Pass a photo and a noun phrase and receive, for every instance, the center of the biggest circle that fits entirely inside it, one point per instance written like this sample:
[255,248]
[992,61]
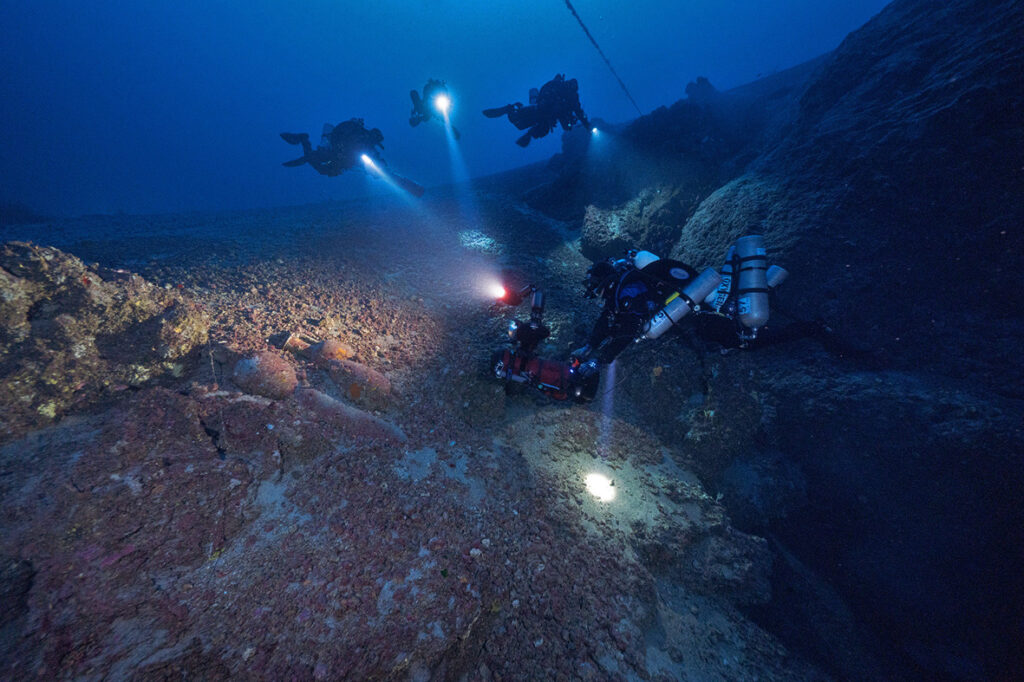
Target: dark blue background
[152,107]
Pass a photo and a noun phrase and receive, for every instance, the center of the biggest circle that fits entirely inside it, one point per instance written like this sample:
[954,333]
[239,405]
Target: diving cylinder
[775,276]
[752,292]
[678,307]
[717,298]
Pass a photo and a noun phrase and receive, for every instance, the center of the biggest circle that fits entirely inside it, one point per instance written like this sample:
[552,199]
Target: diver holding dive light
[435,99]
[519,363]
[343,146]
[644,297]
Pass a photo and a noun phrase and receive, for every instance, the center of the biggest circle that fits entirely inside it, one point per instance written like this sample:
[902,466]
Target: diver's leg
[524,140]
[524,117]
[499,111]
[295,138]
[415,118]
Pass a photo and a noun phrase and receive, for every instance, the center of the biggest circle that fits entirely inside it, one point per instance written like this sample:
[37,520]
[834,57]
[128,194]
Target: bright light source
[443,103]
[495,290]
[369,162]
[601,487]
[593,131]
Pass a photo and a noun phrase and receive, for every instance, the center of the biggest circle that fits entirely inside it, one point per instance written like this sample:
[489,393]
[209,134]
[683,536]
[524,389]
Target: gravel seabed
[202,531]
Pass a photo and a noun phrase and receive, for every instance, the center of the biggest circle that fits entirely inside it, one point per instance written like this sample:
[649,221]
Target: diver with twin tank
[341,147]
[556,103]
[644,297]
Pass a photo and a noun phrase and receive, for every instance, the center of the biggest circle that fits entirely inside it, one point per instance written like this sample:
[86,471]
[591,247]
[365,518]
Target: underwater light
[496,290]
[443,103]
[593,131]
[369,162]
[601,487]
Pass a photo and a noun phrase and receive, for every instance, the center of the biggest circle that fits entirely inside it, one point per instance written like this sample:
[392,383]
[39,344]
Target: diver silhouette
[557,102]
[435,100]
[341,147]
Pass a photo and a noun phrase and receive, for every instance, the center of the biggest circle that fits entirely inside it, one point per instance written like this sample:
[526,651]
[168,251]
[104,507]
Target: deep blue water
[156,107]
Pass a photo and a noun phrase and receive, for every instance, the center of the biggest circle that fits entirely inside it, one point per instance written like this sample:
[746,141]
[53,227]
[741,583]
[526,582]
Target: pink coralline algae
[267,374]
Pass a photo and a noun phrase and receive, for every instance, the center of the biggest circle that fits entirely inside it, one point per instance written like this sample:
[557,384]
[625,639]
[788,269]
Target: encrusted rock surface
[886,178]
[72,335]
[429,525]
[267,374]
[361,384]
[216,532]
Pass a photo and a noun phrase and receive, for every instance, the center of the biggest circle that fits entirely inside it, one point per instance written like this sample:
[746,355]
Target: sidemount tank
[679,306]
[752,290]
[776,275]
[717,298]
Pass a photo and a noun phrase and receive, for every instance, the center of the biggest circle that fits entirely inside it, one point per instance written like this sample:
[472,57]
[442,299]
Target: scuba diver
[645,296]
[435,99]
[519,363]
[557,102]
[341,147]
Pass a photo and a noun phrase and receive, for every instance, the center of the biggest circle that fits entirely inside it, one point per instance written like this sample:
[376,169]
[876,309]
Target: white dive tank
[752,281]
[717,298]
[679,306]
[776,275]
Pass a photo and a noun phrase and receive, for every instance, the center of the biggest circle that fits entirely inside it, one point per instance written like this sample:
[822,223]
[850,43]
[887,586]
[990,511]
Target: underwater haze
[729,388]
[160,107]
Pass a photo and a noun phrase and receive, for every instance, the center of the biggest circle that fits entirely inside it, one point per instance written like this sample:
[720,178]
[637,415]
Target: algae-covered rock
[71,334]
[361,384]
[331,349]
[266,374]
[357,423]
[653,220]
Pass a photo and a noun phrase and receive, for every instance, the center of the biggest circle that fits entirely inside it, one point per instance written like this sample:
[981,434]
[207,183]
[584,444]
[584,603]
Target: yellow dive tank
[752,283]
[679,306]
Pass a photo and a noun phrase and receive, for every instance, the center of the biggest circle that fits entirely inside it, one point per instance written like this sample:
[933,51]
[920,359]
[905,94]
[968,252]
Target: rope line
[601,52]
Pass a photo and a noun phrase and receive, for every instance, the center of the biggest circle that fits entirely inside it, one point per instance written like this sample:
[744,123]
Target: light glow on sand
[601,487]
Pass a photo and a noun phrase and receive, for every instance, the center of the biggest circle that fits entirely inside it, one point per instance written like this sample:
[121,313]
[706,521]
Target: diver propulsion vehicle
[519,364]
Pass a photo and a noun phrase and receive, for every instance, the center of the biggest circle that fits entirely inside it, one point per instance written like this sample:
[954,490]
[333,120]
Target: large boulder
[895,196]
[72,334]
[652,221]
[360,384]
[267,374]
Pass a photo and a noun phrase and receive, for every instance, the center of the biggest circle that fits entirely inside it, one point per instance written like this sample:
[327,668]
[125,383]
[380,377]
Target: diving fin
[295,138]
[499,112]
[295,162]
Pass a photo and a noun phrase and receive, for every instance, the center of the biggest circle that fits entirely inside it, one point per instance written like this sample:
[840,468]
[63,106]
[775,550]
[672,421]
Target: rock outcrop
[886,177]
[72,335]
